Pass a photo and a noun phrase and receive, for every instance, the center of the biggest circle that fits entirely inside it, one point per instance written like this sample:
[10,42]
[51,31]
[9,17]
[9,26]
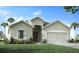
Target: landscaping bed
[36,48]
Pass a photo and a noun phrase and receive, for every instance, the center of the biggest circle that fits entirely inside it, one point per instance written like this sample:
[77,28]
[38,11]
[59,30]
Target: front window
[21,34]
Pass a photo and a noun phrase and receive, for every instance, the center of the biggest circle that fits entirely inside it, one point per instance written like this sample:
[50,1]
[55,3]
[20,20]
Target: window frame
[21,34]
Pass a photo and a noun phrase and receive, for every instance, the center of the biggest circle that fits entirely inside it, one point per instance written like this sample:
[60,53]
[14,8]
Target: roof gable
[37,18]
[56,22]
[19,22]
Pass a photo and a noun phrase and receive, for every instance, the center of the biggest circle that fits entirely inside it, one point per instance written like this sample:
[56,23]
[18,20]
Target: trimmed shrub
[12,40]
[71,41]
[27,42]
[44,41]
[30,41]
[1,40]
[6,41]
[17,41]
[76,41]
[22,42]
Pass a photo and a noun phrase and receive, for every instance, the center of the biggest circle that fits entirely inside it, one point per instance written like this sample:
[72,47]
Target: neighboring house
[52,32]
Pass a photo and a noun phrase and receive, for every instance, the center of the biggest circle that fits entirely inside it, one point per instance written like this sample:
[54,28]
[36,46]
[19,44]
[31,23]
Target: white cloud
[17,18]
[20,18]
[39,12]
[68,24]
[10,17]
[7,17]
[4,12]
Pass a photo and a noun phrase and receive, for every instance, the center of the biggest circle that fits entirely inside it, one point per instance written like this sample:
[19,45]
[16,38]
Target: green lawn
[36,48]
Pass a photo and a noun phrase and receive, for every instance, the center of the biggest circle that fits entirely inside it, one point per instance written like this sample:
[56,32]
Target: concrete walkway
[73,45]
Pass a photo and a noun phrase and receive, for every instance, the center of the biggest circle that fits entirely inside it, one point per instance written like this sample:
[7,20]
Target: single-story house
[52,32]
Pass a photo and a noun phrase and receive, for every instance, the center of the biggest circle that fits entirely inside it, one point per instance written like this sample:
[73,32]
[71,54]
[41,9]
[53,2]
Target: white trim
[19,34]
[57,31]
[72,33]
[68,36]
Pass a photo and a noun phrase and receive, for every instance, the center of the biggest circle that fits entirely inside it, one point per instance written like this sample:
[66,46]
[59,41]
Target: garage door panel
[56,37]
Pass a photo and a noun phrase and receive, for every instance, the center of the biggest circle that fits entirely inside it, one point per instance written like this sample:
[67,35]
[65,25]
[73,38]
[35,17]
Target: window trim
[21,34]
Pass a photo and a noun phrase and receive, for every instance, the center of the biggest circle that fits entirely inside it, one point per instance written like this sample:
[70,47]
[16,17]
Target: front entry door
[35,36]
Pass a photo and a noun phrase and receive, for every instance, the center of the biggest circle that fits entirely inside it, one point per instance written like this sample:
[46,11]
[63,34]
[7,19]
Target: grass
[36,48]
[1,43]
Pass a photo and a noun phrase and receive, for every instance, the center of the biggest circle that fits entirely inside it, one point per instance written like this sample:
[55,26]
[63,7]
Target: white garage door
[55,37]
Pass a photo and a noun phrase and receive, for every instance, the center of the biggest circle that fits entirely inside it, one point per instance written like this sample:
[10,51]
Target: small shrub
[71,41]
[12,40]
[44,41]
[6,41]
[27,42]
[23,42]
[30,41]
[76,41]
[1,40]
[17,41]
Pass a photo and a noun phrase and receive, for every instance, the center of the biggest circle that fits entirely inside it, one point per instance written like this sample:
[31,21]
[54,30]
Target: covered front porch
[37,33]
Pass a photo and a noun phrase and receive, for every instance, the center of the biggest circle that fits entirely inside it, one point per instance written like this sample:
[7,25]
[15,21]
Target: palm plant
[4,24]
[1,33]
[74,25]
[10,20]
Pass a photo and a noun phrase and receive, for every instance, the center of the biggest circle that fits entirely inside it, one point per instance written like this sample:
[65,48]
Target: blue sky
[49,13]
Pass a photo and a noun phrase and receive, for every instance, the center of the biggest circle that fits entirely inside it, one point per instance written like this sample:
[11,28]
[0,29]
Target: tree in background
[71,9]
[10,20]
[4,24]
[75,25]
[1,34]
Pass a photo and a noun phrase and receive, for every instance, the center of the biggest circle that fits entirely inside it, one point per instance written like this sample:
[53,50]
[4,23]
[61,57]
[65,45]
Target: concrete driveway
[73,45]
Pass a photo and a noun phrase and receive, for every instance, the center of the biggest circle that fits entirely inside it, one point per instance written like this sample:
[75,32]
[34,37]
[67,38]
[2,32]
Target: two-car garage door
[56,37]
